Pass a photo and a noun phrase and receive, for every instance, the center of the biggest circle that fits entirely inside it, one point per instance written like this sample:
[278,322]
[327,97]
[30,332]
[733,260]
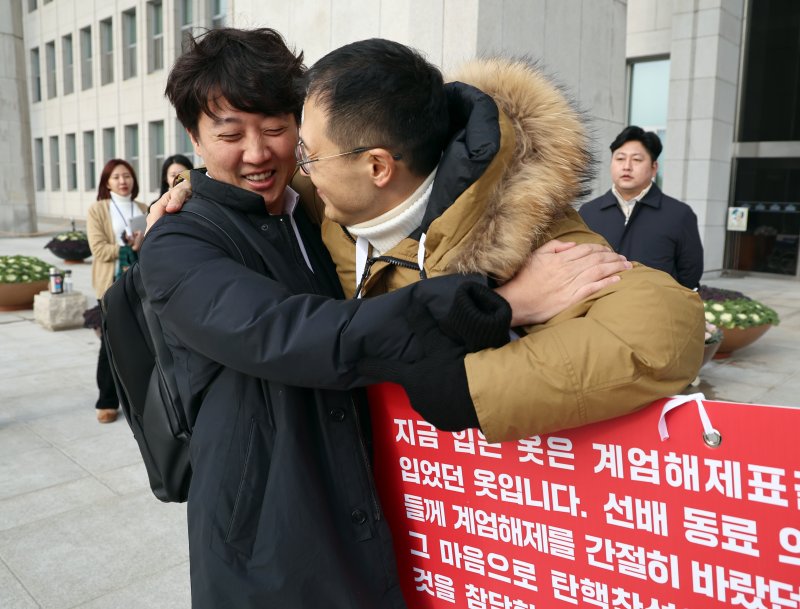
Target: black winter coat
[282,510]
[661,233]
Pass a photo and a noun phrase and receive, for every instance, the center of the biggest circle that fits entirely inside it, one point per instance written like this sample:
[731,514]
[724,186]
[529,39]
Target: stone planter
[738,338]
[18,296]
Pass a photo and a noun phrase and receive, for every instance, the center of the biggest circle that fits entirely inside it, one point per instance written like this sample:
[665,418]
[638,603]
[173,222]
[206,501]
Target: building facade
[719,80]
[94,72]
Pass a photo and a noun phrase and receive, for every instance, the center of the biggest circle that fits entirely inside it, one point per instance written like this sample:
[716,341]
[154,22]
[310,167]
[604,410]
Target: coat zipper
[367,466]
[391,260]
[243,477]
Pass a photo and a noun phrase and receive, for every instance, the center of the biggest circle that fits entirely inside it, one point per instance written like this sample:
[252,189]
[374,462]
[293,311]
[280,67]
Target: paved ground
[78,524]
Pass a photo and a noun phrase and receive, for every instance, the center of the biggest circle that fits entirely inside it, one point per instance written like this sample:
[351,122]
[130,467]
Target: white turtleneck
[389,229]
[122,209]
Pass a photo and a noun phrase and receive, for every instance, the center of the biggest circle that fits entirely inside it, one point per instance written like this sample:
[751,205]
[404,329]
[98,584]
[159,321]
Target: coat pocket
[242,492]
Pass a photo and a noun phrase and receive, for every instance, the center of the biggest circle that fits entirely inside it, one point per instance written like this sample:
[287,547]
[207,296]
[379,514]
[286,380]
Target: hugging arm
[239,318]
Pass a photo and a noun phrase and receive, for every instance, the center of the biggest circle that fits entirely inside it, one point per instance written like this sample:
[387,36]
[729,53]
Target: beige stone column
[17,205]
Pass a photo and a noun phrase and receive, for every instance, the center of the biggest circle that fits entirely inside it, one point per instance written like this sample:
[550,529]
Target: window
[129,44]
[647,107]
[72,162]
[217,11]
[68,64]
[55,164]
[156,153]
[38,162]
[109,143]
[183,144]
[86,58]
[768,187]
[132,146]
[50,61]
[88,160]
[36,76]
[106,52]
[155,43]
[771,75]
[185,20]
[31,5]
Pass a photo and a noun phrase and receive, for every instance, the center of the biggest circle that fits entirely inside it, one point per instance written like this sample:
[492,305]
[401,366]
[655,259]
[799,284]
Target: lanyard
[127,222]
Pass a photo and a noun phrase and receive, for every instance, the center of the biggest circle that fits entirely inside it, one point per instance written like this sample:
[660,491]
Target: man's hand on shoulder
[169,203]
[558,275]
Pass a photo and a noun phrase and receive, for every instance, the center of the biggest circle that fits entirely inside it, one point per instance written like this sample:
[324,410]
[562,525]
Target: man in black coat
[282,510]
[638,220]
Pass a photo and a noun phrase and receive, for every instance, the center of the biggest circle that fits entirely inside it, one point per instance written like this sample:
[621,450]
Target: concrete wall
[17,211]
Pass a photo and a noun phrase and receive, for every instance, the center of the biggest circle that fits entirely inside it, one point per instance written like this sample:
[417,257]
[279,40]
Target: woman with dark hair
[114,242]
[173,165]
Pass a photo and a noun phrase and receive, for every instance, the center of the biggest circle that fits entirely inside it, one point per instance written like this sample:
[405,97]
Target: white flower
[755,318]
[741,316]
[710,316]
[726,317]
[717,307]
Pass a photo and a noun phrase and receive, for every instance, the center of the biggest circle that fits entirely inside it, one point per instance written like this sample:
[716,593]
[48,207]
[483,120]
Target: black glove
[478,317]
[437,384]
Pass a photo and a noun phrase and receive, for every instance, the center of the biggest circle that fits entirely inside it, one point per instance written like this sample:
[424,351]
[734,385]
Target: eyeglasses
[304,162]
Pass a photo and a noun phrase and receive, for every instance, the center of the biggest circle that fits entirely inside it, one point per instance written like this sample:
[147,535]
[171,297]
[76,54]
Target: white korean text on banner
[607,515]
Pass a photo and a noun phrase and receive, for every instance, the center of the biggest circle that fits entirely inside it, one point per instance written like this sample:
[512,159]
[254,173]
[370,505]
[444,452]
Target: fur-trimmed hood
[516,162]
[546,173]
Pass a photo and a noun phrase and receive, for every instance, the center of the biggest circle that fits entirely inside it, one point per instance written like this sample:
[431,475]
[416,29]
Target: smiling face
[120,182]
[252,151]
[632,169]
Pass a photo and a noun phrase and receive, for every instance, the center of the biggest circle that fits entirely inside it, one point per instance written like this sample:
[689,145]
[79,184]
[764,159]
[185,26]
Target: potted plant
[741,319]
[21,278]
[713,340]
[72,246]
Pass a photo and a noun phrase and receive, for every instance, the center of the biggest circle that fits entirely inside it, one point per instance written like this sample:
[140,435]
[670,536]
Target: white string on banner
[711,436]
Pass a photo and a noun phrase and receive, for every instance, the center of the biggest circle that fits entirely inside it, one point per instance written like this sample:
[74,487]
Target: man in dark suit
[638,220]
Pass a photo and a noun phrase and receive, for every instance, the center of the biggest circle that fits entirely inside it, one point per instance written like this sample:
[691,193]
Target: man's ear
[383,166]
[195,142]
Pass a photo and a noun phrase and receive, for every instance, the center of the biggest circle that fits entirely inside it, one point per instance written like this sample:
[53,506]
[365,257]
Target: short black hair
[648,139]
[253,70]
[382,93]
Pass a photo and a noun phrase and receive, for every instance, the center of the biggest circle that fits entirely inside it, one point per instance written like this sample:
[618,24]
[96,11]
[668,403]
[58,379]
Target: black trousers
[105,382]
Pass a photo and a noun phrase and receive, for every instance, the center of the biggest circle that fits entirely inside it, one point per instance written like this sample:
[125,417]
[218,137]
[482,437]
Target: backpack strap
[227,223]
[218,223]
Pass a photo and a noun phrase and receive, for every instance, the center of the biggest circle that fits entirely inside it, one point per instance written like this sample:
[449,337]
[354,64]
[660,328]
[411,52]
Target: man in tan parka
[514,164]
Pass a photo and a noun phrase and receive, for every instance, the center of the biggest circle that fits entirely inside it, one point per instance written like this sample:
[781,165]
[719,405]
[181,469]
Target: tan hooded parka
[629,344]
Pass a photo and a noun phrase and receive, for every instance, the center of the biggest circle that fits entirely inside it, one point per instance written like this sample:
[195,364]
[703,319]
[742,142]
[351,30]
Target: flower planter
[70,251]
[18,296]
[738,338]
[709,351]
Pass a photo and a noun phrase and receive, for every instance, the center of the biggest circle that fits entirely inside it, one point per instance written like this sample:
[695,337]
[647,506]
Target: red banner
[607,515]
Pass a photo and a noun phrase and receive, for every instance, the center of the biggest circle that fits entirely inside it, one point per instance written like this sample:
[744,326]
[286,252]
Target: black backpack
[142,367]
